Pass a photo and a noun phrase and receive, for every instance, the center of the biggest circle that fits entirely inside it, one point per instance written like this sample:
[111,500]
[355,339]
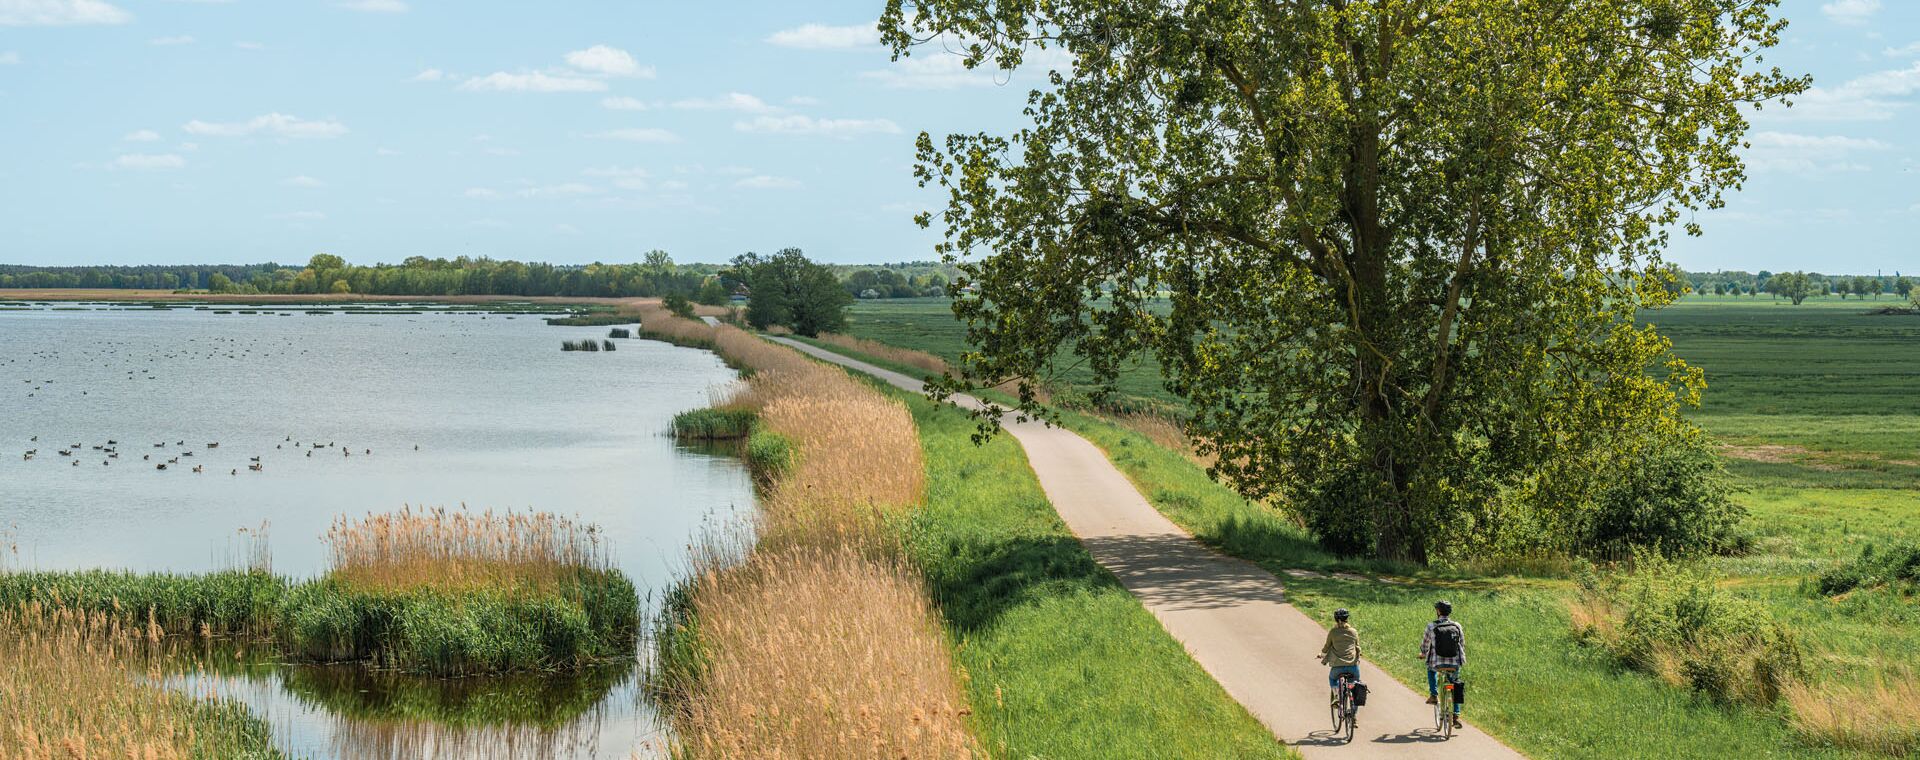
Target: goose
[160,466]
[213,445]
[256,467]
[111,442]
[253,459]
[235,472]
[65,453]
[76,463]
[197,468]
[309,455]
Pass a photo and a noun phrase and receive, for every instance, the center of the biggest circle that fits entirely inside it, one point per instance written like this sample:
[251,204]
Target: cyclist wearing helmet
[1443,646]
[1341,653]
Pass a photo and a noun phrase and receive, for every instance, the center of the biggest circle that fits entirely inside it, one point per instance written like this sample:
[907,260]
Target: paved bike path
[1231,615]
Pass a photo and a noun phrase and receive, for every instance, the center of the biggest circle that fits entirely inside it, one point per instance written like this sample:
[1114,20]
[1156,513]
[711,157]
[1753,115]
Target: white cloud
[142,135]
[562,190]
[611,61]
[803,100]
[275,124]
[376,6]
[481,193]
[429,75]
[302,180]
[249,46]
[149,161]
[1909,49]
[1872,97]
[767,182]
[645,135]
[622,103]
[732,101]
[1851,11]
[9,58]
[623,177]
[532,81]
[182,39]
[1808,154]
[807,125]
[60,13]
[299,216]
[824,37]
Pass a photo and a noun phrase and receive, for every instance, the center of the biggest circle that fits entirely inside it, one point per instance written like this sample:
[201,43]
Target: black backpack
[1446,639]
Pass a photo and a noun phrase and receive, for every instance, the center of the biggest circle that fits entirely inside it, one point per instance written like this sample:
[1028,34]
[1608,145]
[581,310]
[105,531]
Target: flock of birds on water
[170,454]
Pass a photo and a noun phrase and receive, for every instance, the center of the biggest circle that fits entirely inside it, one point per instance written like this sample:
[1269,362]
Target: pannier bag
[1359,694]
[1460,693]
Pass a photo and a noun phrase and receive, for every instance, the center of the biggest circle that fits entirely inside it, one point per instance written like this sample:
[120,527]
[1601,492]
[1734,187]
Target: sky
[204,131]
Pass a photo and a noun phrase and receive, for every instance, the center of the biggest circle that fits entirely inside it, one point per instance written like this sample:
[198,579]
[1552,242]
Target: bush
[679,305]
[1676,500]
[769,455]
[1671,619]
[1897,565]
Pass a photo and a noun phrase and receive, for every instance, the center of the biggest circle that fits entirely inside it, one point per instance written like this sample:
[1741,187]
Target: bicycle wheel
[1445,714]
[1337,717]
[1352,713]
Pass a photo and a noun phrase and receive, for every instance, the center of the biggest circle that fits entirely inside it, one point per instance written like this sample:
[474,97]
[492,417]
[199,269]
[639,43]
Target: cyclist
[1341,653]
[1443,646]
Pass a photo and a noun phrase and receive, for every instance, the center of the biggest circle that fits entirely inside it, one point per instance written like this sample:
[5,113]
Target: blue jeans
[1333,674]
[1433,686]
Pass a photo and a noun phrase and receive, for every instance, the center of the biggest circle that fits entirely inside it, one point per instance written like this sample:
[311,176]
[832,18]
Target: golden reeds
[76,684]
[886,352]
[822,642]
[459,549]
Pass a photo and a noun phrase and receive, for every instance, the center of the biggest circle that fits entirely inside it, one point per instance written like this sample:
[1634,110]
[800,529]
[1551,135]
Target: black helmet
[1443,607]
[1340,614]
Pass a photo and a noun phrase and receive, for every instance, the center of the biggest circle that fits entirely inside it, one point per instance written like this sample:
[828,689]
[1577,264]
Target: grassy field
[1061,661]
[1817,406]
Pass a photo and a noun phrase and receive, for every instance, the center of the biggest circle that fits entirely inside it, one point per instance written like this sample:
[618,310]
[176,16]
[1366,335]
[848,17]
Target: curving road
[1232,616]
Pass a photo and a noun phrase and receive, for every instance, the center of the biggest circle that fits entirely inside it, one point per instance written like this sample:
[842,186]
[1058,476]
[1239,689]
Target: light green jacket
[1343,646]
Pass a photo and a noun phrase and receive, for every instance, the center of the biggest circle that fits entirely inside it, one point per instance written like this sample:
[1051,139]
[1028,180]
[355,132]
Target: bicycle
[1443,704]
[1348,698]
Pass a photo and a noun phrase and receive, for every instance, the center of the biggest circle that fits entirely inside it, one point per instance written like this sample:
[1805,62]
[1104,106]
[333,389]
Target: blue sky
[175,131]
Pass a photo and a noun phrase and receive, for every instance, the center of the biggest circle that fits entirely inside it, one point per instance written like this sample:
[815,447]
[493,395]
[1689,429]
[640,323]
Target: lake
[350,412]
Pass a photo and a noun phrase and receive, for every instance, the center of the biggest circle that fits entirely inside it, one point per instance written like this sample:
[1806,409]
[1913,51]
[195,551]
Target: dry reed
[459,549]
[1881,717]
[821,642]
[821,653]
[77,684]
[895,354]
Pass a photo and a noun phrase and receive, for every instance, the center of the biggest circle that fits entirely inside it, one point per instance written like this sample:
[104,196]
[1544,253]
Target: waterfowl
[160,466]
[256,467]
[196,468]
[253,459]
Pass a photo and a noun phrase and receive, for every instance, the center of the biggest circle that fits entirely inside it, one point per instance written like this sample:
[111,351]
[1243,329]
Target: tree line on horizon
[655,275]
[1797,286]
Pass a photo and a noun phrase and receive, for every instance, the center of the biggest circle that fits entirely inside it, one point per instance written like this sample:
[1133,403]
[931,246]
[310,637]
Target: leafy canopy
[1403,241]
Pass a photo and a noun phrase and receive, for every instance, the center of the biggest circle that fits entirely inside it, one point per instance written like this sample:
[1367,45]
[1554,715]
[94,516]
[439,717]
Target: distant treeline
[655,275]
[1798,285]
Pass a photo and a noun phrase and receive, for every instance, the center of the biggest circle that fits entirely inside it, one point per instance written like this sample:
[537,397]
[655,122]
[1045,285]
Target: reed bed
[581,345]
[822,641]
[714,424]
[620,332]
[76,684]
[895,354]
[456,549]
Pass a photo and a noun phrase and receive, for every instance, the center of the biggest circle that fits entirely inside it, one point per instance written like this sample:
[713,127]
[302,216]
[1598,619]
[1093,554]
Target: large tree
[1404,241]
[790,290]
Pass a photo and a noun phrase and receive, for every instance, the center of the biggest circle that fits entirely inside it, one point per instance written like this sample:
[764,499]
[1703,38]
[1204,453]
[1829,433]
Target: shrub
[769,455]
[679,305]
[1672,620]
[1674,497]
[1896,565]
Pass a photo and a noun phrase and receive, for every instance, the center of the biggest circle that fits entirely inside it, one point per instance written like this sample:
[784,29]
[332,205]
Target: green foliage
[592,319]
[769,455]
[1375,305]
[655,276]
[788,289]
[891,283]
[1896,564]
[678,304]
[221,603]
[713,424]
[1673,620]
[713,292]
[587,617]
[1672,496]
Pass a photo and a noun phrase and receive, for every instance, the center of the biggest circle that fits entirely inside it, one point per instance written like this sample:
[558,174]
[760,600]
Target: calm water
[431,409]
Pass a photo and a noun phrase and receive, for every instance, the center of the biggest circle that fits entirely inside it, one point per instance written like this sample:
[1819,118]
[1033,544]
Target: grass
[437,592]
[1062,661]
[714,424]
[77,685]
[816,638]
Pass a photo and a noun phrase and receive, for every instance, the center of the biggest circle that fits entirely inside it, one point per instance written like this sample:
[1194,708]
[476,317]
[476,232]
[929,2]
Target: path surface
[1231,615]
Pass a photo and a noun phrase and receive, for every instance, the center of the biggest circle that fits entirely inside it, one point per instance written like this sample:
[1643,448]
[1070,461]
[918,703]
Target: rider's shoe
[1456,721]
[1433,700]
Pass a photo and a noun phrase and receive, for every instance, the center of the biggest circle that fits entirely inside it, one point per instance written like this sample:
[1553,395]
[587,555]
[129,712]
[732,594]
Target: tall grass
[821,641]
[79,684]
[1882,717]
[893,354]
[449,550]
[723,424]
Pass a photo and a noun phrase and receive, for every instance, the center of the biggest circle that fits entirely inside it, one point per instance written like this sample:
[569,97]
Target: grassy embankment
[1825,498]
[818,639]
[435,592]
[1057,660]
